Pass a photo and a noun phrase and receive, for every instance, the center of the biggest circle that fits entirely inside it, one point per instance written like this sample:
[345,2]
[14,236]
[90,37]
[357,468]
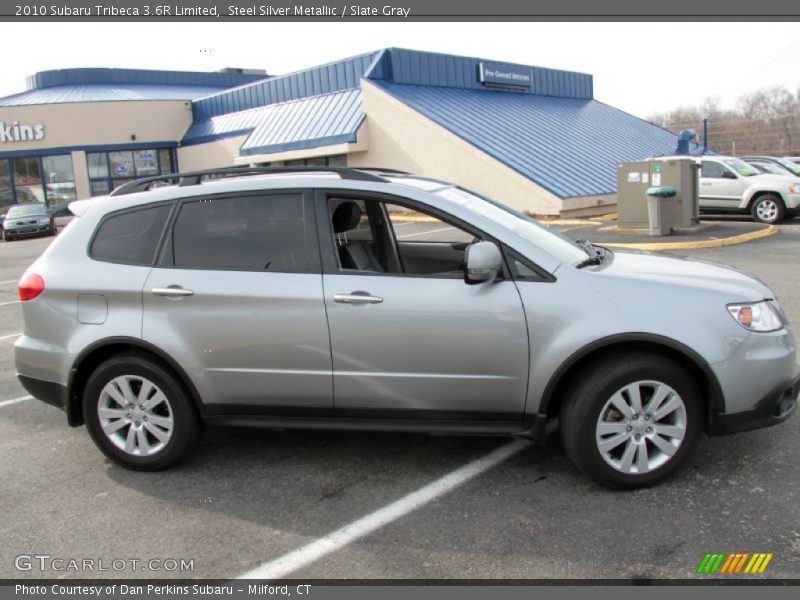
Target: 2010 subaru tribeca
[356,299]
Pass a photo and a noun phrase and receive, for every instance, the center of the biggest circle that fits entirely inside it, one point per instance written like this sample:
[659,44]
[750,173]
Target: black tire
[53,231]
[768,208]
[588,396]
[185,421]
[9,237]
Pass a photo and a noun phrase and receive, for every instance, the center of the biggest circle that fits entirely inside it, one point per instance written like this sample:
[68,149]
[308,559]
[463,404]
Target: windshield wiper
[595,254]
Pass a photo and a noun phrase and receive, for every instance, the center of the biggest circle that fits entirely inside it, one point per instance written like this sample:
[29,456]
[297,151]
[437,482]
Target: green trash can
[661,209]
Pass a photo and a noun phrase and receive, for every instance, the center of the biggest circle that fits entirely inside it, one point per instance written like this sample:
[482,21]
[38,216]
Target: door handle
[172,292]
[357,298]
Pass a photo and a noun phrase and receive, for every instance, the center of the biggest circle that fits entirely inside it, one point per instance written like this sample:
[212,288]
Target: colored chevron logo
[736,563]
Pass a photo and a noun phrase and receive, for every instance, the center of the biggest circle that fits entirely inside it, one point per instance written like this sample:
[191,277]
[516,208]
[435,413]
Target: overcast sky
[642,68]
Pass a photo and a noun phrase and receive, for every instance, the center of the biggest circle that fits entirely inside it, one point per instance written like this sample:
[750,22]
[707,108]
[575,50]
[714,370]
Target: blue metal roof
[306,123]
[333,77]
[412,67]
[87,76]
[106,93]
[569,146]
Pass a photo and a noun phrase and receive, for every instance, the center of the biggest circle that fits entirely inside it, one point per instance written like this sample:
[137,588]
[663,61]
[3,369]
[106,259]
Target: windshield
[790,166]
[26,210]
[555,244]
[770,168]
[741,167]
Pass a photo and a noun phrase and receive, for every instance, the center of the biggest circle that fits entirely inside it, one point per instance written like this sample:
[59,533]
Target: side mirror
[483,262]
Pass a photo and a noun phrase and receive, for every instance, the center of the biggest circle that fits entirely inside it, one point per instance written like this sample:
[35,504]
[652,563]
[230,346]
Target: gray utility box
[635,178]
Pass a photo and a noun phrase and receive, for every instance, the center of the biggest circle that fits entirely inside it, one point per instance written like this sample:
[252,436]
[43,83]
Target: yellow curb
[719,243]
[608,217]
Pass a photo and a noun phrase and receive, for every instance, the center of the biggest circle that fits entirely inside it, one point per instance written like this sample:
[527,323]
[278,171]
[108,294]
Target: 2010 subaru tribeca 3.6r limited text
[375,300]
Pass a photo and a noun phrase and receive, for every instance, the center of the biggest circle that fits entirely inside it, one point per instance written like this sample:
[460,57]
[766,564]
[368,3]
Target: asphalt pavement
[248,497]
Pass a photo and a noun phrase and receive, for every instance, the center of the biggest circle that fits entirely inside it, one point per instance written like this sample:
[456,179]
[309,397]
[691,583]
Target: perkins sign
[496,74]
[18,132]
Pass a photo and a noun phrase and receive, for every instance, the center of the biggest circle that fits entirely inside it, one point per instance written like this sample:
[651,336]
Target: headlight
[758,316]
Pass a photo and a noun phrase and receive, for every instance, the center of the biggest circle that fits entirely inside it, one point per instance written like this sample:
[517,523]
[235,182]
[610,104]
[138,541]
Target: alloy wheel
[641,427]
[135,415]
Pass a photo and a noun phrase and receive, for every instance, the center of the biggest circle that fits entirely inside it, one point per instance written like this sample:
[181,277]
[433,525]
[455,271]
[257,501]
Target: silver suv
[372,300]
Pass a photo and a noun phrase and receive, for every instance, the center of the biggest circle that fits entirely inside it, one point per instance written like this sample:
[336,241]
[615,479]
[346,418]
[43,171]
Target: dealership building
[532,137]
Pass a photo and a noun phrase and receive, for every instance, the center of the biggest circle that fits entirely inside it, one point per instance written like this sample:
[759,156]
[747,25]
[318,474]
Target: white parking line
[9,303]
[15,400]
[10,281]
[288,563]
[9,337]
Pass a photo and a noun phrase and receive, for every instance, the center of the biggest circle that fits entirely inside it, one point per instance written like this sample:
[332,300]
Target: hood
[770,179]
[657,270]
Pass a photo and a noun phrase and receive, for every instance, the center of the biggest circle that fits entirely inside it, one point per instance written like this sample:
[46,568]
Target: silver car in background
[356,299]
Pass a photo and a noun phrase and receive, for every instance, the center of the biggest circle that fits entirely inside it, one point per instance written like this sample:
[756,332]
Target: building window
[109,170]
[49,180]
[6,191]
[59,180]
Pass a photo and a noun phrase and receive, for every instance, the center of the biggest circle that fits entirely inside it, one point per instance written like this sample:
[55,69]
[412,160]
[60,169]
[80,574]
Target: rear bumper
[774,408]
[50,393]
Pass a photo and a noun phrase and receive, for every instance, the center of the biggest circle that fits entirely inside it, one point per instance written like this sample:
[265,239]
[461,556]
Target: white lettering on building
[19,132]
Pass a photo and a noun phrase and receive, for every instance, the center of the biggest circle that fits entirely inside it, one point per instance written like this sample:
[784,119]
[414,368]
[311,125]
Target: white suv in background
[729,184]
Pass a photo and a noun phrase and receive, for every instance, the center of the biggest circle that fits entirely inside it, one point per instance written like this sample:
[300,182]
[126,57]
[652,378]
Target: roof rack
[196,177]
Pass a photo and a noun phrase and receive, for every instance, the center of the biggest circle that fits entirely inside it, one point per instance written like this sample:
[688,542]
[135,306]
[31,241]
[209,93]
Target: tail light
[30,286]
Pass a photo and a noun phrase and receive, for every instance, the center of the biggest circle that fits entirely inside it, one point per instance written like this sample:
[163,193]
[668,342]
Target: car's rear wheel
[768,208]
[138,413]
[630,420]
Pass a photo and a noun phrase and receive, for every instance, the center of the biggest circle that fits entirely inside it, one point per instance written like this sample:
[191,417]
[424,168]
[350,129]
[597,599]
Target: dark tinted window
[252,233]
[712,169]
[131,237]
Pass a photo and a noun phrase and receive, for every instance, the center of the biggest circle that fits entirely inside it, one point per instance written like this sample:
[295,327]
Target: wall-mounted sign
[502,75]
[19,132]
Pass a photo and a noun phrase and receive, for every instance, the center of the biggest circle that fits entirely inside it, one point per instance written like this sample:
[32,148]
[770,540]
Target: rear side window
[246,233]
[131,237]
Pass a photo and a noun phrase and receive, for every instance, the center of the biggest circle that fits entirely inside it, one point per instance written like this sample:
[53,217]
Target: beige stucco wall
[219,153]
[402,138]
[99,123]
[81,182]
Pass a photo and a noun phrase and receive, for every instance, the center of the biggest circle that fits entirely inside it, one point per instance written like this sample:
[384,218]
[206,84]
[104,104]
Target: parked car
[27,220]
[784,164]
[770,169]
[729,184]
[312,300]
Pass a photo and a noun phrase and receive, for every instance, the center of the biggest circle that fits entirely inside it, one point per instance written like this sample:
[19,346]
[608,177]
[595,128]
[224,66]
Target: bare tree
[764,122]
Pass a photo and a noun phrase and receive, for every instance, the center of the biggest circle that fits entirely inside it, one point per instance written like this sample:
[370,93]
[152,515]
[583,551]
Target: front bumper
[793,203]
[29,230]
[774,408]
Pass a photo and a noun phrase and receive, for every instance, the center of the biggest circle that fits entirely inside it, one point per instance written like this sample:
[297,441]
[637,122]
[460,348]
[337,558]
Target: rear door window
[131,237]
[247,233]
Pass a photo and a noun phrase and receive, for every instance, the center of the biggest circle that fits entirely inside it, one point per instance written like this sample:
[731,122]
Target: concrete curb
[743,238]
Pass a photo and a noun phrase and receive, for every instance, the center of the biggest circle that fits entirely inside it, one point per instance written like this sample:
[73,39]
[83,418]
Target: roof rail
[196,177]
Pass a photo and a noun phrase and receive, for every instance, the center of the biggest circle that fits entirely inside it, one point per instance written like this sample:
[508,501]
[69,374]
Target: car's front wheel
[138,413]
[630,420]
[768,208]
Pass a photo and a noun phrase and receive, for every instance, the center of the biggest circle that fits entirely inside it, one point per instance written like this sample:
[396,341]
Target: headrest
[346,217]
